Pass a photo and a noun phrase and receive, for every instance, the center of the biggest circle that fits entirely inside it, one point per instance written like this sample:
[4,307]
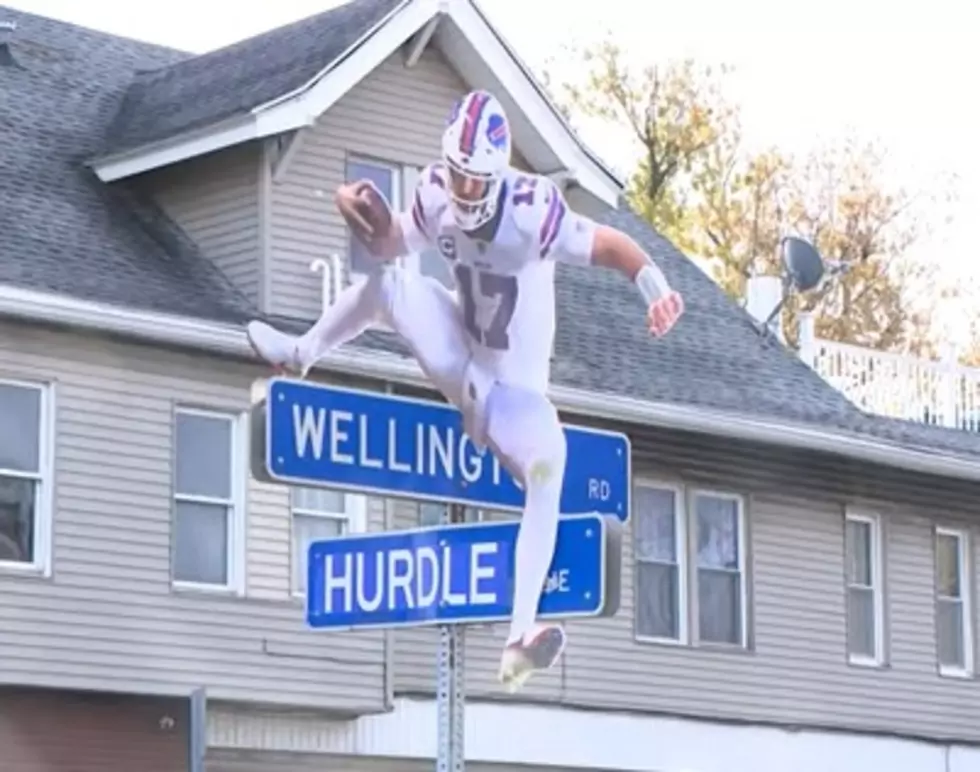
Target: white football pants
[521,426]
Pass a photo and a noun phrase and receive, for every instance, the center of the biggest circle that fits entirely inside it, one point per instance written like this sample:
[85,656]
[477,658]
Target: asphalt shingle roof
[62,230]
[713,358]
[198,91]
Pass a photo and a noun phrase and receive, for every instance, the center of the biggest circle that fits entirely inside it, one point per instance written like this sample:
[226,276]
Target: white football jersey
[505,285]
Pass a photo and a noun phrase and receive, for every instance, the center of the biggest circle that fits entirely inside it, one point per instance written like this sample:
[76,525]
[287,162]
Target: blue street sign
[317,435]
[462,573]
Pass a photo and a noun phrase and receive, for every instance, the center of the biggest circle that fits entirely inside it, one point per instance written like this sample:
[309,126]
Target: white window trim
[966,598]
[683,563]
[409,175]
[355,515]
[44,509]
[236,504]
[743,595]
[399,172]
[397,199]
[877,577]
[404,179]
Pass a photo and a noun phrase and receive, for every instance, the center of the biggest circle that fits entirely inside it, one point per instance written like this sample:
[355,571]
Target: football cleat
[277,348]
[522,659]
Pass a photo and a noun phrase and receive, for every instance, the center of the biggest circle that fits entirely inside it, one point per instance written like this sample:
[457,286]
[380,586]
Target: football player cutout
[489,351]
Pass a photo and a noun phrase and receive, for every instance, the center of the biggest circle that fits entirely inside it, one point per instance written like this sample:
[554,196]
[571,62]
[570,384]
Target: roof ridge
[206,88]
[195,58]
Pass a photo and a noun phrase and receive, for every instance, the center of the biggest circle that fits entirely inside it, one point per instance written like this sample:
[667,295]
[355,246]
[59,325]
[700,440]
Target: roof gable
[285,79]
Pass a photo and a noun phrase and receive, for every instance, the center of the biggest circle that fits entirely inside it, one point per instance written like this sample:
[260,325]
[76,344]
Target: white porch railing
[943,393]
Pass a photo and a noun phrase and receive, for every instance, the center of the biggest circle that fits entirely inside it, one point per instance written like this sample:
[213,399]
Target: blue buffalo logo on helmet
[497,131]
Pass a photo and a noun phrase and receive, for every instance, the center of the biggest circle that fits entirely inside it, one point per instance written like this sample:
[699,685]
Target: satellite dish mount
[803,271]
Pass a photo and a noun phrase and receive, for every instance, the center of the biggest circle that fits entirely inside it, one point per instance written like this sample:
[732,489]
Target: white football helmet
[476,149]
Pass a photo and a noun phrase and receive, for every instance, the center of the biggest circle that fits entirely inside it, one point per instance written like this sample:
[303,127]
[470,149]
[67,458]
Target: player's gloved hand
[664,313]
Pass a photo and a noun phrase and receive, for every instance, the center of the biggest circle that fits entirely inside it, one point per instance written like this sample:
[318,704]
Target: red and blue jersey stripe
[474,112]
[418,214]
[551,226]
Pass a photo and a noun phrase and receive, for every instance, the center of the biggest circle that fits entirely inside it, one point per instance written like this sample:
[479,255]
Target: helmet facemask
[473,197]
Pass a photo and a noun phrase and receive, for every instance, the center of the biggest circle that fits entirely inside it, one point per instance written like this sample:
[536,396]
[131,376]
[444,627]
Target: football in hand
[372,206]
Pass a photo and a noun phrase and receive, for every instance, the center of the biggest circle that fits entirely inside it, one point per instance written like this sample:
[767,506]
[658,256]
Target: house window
[388,179]
[718,523]
[865,614]
[209,500]
[713,610]
[660,564]
[25,476]
[953,618]
[319,514]
[397,182]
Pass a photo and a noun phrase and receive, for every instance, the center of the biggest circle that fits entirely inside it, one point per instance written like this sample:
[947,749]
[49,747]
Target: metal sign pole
[451,684]
[197,732]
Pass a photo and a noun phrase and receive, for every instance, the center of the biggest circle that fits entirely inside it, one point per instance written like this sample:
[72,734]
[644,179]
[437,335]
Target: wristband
[652,283]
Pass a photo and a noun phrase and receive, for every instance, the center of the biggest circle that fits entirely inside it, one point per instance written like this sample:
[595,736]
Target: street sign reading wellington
[312,434]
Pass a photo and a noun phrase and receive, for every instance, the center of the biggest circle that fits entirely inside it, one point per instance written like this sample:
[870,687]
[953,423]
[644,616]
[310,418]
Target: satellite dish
[804,266]
[804,269]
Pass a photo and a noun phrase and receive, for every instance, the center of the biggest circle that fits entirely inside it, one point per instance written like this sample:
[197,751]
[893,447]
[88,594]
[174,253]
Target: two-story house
[799,587]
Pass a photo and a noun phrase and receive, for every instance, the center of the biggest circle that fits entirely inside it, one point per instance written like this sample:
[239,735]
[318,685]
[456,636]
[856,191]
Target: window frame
[410,175]
[235,542]
[873,521]
[965,576]
[355,518]
[742,545]
[405,176]
[396,201]
[42,557]
[681,547]
[685,532]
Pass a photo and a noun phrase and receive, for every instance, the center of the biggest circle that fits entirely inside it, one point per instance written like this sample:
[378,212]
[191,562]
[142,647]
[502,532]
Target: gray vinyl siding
[109,619]
[796,669]
[215,200]
[395,114]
